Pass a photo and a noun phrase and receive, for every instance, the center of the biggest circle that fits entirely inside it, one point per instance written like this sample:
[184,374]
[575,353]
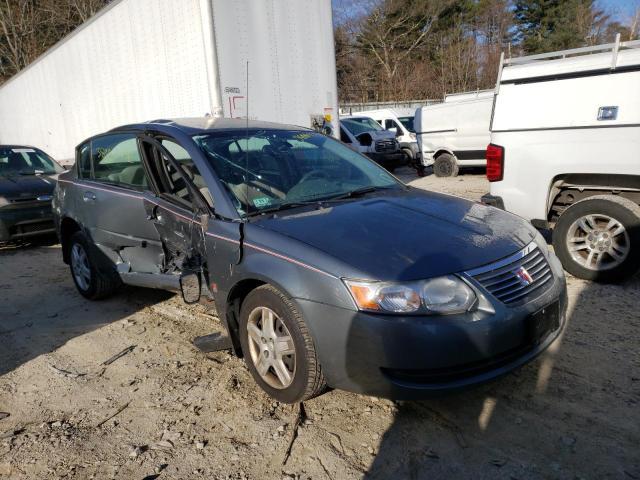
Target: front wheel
[278,348]
[599,238]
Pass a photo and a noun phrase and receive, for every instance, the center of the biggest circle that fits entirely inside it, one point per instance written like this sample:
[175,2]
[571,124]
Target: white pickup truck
[565,153]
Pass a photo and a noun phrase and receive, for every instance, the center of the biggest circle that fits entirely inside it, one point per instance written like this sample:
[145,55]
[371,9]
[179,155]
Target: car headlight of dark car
[437,296]
[3,201]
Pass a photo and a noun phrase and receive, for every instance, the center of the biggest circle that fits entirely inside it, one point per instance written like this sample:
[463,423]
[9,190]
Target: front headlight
[441,295]
[3,201]
[412,135]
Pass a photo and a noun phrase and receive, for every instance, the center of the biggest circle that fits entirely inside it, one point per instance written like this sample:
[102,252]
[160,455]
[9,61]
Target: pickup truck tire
[91,281]
[278,348]
[445,165]
[598,238]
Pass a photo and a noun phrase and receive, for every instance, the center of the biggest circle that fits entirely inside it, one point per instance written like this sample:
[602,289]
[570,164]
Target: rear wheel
[278,348]
[445,166]
[92,282]
[599,238]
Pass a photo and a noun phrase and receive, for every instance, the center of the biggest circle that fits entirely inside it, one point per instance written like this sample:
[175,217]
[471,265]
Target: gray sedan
[325,269]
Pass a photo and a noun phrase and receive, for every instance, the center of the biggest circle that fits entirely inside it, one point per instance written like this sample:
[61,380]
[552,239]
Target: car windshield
[274,169]
[26,161]
[408,123]
[358,125]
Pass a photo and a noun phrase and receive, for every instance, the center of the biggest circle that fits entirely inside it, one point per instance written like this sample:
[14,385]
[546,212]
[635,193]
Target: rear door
[111,186]
[177,208]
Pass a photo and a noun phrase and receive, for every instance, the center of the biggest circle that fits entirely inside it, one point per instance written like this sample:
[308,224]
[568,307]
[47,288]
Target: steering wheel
[313,174]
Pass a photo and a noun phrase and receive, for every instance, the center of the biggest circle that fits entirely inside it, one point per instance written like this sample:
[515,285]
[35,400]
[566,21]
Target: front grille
[24,229]
[388,145]
[501,281]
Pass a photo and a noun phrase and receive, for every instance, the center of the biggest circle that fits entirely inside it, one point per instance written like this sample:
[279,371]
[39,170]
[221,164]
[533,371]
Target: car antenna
[246,144]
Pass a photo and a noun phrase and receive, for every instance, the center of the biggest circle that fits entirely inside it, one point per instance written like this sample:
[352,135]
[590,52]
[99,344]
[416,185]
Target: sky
[621,8]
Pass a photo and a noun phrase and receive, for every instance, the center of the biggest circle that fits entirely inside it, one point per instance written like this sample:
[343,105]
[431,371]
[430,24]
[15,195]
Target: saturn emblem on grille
[524,277]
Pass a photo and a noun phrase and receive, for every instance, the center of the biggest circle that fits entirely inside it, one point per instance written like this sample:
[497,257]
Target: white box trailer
[565,153]
[139,60]
[455,133]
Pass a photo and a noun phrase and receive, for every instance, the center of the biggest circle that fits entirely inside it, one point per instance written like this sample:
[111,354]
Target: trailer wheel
[598,238]
[445,166]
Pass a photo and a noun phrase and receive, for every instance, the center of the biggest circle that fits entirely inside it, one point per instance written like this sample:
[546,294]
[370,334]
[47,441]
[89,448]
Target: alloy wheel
[271,348]
[80,266]
[598,242]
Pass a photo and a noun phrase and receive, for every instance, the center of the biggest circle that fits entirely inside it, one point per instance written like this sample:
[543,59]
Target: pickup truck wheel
[278,348]
[91,282]
[598,238]
[445,166]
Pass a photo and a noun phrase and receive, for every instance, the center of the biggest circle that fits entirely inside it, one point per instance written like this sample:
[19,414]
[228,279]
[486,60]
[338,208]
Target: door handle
[89,196]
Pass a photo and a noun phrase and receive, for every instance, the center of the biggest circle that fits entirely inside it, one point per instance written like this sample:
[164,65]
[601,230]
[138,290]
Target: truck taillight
[495,162]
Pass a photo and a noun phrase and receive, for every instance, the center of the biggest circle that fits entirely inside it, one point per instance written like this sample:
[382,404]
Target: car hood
[27,186]
[382,134]
[407,235]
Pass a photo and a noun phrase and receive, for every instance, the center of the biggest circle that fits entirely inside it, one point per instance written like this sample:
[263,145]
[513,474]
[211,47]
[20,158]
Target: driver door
[176,208]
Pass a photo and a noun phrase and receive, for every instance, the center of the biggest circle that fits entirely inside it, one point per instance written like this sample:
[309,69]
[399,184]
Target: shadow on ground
[570,414]
[46,311]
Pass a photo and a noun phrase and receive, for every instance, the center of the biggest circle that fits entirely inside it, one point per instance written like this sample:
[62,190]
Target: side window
[172,184]
[83,160]
[343,136]
[116,159]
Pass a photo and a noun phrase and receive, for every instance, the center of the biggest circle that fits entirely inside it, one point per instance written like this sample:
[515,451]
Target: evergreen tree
[548,25]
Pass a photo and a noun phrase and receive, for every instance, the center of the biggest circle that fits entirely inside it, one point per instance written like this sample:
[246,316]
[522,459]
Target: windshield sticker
[262,201]
[302,136]
[23,150]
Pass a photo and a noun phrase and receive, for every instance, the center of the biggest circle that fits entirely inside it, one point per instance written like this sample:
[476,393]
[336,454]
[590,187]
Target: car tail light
[495,162]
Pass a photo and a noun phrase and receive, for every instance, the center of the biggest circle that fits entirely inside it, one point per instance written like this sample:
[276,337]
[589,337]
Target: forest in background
[422,49]
[385,49]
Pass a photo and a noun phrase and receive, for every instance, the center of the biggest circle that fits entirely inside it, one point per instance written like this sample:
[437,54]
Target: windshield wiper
[359,192]
[284,206]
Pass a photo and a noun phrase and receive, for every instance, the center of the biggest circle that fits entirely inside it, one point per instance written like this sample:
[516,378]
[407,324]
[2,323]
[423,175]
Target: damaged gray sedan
[326,270]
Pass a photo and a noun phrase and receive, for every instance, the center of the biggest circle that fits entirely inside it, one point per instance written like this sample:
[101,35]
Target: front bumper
[414,357]
[492,201]
[389,160]
[26,222]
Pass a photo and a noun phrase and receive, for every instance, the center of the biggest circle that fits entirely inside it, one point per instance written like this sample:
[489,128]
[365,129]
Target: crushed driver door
[176,209]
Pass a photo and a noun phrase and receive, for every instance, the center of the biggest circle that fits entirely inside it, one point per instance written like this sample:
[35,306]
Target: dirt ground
[165,410]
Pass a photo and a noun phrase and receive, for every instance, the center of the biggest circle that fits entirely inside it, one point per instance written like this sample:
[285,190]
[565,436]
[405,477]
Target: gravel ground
[164,410]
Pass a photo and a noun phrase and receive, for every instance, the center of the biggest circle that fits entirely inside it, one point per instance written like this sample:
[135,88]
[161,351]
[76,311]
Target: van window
[408,123]
[116,160]
[343,136]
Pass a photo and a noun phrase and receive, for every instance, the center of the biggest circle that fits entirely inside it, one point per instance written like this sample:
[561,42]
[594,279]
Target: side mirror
[365,139]
[190,286]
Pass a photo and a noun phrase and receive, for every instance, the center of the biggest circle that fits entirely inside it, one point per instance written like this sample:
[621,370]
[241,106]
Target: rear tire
[278,348]
[91,281]
[598,238]
[445,166]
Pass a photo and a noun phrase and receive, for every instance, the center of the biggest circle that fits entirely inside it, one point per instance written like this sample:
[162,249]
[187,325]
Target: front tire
[278,348]
[92,282]
[598,238]
[445,166]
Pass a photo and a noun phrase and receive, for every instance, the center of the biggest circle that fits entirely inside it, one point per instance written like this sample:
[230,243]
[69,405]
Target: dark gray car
[27,179]
[326,270]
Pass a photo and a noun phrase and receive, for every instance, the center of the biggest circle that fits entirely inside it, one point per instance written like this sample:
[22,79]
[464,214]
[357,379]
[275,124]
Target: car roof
[196,125]
[19,146]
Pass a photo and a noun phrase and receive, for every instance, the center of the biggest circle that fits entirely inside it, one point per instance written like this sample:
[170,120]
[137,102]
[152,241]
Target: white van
[455,133]
[565,153]
[400,122]
[363,134]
